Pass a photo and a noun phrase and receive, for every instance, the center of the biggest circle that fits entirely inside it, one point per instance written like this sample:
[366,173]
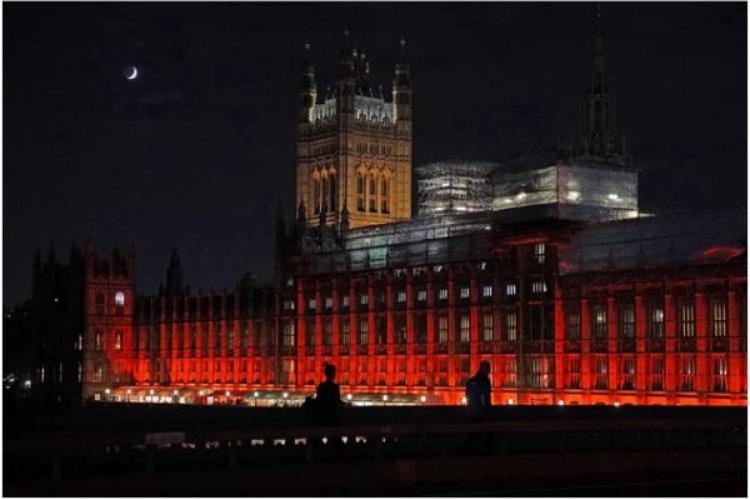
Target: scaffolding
[454,187]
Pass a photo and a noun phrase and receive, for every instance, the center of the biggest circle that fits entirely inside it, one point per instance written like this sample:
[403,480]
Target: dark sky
[199,149]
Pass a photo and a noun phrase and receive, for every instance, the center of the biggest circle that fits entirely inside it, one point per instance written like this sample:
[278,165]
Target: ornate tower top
[601,138]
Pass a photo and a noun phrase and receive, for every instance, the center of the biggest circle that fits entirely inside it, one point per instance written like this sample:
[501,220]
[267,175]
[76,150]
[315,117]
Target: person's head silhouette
[330,371]
[484,367]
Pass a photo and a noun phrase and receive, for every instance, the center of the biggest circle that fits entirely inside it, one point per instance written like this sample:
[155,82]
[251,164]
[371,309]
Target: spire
[600,137]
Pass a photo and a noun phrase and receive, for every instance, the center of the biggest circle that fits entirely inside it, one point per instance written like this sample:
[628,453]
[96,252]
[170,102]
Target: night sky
[197,152]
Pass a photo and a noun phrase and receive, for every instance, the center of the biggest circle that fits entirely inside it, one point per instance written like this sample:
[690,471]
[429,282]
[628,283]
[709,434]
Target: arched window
[99,303]
[385,197]
[316,194]
[361,192]
[325,191]
[119,302]
[373,193]
[332,192]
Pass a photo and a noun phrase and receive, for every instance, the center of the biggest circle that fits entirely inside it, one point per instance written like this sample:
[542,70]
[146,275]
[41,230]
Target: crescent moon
[133,74]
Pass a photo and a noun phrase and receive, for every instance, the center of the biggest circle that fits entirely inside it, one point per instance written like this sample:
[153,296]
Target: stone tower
[354,145]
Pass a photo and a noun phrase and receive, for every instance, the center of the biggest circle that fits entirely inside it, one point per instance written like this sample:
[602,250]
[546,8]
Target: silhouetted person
[326,407]
[478,390]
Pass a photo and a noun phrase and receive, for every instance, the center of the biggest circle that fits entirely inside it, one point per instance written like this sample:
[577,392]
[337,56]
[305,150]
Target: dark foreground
[230,451]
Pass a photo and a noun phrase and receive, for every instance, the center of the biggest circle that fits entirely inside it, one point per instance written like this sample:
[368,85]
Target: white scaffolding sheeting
[454,187]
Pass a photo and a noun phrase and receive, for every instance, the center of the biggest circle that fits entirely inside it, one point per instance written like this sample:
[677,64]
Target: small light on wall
[511,402]
[176,392]
[423,399]
[129,391]
[150,392]
[573,195]
[227,393]
[256,394]
[463,400]
[613,197]
[617,404]
[385,397]
[560,402]
[285,395]
[521,195]
[349,396]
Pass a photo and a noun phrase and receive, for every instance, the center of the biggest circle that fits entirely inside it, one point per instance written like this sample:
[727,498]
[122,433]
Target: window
[311,304]
[573,325]
[361,192]
[574,372]
[327,332]
[656,373]
[364,334]
[539,372]
[487,291]
[345,301]
[442,329]
[372,194]
[316,194]
[400,325]
[364,299]
[656,322]
[329,303]
[99,303]
[628,374]
[381,330]
[443,294]
[511,326]
[98,373]
[118,340]
[465,329]
[720,372]
[600,381]
[401,297]
[687,373]
[538,287]
[510,289]
[422,295]
[385,195]
[344,333]
[288,336]
[718,318]
[310,339]
[420,329]
[119,301]
[79,343]
[488,330]
[465,292]
[539,250]
[98,340]
[627,321]
[288,304]
[509,372]
[600,322]
[686,320]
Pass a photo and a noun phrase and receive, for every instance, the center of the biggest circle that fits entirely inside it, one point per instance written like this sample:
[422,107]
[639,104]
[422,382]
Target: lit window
[482,265]
[311,304]
[401,297]
[657,322]
[511,326]
[465,331]
[437,268]
[421,295]
[488,322]
[510,289]
[363,299]
[443,294]
[329,302]
[539,252]
[538,287]
[687,320]
[487,291]
[290,282]
[344,301]
[465,292]
[118,340]
[288,304]
[442,329]
[718,318]
[79,346]
[119,299]
[98,340]
[600,321]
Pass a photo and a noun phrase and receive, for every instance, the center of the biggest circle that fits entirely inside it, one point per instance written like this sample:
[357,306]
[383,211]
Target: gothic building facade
[554,276]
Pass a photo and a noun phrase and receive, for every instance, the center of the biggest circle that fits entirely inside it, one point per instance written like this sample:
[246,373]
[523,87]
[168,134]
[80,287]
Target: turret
[174,275]
[402,86]
[307,90]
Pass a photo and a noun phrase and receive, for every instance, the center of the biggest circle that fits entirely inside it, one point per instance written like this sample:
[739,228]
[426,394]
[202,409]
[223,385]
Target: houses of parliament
[543,265]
